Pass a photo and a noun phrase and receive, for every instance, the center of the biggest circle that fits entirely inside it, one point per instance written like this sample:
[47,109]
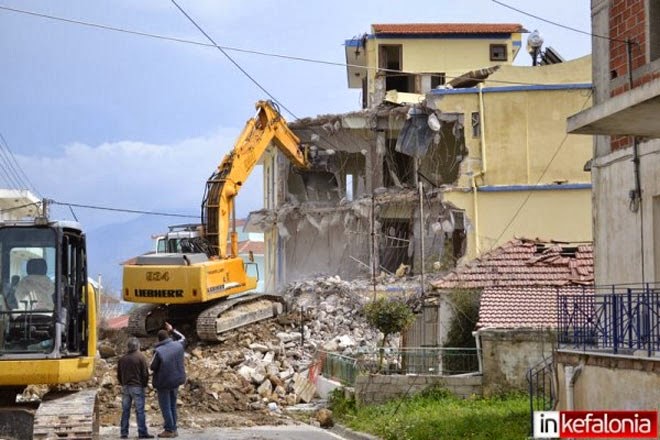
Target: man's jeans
[167,403]
[130,394]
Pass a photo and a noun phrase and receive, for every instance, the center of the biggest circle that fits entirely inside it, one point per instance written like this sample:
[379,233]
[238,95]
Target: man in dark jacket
[133,376]
[169,374]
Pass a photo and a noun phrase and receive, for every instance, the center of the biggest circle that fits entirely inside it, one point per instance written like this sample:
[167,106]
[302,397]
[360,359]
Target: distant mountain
[110,245]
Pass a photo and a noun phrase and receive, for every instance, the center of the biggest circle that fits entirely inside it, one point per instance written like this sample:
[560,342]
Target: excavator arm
[266,127]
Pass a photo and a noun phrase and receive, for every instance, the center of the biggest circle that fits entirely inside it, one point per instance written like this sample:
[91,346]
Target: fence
[439,361]
[624,320]
[542,392]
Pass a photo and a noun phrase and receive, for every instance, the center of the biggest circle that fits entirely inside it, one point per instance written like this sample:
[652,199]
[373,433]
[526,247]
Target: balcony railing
[619,319]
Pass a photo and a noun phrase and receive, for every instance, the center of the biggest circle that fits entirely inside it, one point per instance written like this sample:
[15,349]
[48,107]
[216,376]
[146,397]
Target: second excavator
[195,282]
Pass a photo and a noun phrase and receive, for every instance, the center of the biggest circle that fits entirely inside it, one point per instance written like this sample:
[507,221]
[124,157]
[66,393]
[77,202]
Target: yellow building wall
[563,215]
[524,135]
[454,57]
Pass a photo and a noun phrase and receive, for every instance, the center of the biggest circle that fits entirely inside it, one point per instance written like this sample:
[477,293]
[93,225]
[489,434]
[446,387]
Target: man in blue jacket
[168,374]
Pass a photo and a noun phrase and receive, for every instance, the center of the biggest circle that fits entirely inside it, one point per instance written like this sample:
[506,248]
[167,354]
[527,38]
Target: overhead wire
[130,211]
[563,26]
[241,50]
[545,170]
[19,172]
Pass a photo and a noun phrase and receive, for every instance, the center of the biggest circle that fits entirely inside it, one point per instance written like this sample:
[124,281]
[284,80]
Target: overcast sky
[105,118]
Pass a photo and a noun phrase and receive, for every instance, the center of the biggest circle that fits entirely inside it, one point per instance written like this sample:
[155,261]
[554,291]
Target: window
[498,52]
[437,79]
[476,124]
[654,29]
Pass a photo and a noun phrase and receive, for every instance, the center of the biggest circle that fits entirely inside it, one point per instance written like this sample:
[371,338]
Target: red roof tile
[523,307]
[524,262]
[448,28]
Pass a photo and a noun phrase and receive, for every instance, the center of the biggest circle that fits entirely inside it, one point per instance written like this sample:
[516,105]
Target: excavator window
[27,309]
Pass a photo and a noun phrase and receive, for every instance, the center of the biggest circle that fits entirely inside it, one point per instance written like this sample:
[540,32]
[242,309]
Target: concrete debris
[265,363]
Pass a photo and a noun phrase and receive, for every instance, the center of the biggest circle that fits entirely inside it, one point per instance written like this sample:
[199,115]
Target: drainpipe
[475,207]
[482,173]
[477,339]
[482,126]
[571,376]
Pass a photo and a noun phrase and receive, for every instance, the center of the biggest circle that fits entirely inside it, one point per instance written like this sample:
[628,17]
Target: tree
[390,317]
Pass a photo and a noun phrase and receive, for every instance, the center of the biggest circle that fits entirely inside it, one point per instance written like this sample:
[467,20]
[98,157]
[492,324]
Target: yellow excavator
[193,284]
[47,331]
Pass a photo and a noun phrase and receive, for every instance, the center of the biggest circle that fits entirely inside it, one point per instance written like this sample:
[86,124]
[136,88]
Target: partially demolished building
[406,188]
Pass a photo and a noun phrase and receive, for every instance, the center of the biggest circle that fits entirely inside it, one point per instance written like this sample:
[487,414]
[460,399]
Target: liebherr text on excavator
[194,282]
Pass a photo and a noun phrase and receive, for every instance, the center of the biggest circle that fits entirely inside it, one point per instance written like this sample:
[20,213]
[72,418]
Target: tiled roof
[525,263]
[523,307]
[448,28]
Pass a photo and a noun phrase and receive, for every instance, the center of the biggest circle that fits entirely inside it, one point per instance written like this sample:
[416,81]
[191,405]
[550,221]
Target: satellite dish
[534,42]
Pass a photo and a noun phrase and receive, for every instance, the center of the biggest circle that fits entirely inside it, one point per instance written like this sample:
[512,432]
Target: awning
[633,113]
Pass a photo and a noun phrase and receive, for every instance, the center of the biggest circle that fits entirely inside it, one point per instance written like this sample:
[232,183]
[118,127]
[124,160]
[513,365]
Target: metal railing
[439,361]
[623,320]
[542,392]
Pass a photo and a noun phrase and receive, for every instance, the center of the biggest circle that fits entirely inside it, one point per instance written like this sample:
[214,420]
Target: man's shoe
[146,436]
[167,434]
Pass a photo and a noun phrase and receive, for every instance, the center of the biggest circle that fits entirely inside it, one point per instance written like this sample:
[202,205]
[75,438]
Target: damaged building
[424,176]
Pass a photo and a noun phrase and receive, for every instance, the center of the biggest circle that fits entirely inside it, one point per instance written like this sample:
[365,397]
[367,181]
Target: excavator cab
[47,318]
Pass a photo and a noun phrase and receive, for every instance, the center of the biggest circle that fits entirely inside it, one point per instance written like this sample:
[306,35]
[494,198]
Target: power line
[545,170]
[238,66]
[236,49]
[563,26]
[130,211]
[22,176]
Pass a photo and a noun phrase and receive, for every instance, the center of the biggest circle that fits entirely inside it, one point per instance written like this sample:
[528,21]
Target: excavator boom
[196,282]
[266,127]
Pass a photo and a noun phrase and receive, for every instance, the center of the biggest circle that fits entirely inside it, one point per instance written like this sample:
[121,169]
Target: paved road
[294,432]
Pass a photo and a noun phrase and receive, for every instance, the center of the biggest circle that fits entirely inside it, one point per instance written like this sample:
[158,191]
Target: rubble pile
[258,368]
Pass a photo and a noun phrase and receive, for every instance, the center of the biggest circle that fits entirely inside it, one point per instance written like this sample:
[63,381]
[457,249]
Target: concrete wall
[508,354]
[609,381]
[376,388]
[616,228]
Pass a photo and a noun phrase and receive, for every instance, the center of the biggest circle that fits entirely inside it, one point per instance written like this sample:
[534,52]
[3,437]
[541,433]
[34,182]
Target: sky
[102,118]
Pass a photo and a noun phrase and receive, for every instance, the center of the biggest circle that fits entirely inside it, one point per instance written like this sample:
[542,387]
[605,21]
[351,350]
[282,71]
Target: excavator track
[236,312]
[71,416]
[141,320]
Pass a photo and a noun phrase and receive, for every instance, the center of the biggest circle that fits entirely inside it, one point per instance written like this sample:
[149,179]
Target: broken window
[476,124]
[498,52]
[390,58]
[437,79]
[398,168]
[459,235]
[441,165]
[395,244]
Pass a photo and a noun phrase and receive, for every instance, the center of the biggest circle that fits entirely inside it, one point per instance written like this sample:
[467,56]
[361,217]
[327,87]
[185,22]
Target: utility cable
[563,26]
[545,170]
[238,66]
[236,49]
[131,211]
[22,176]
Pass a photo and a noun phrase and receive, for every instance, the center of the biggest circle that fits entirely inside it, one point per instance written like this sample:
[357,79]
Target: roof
[523,307]
[447,28]
[525,263]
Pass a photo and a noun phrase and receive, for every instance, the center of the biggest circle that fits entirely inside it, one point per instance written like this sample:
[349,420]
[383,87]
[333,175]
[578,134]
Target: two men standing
[168,374]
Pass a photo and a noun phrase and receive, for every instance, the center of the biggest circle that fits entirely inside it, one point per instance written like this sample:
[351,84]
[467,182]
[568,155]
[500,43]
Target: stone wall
[378,388]
[608,381]
[508,354]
